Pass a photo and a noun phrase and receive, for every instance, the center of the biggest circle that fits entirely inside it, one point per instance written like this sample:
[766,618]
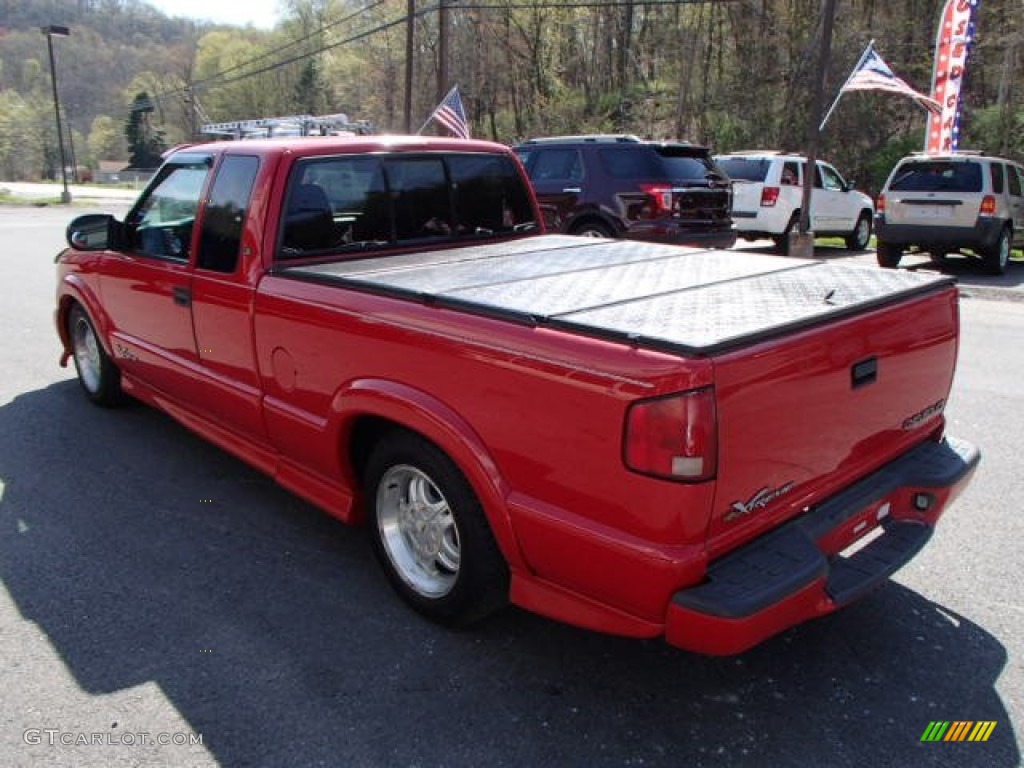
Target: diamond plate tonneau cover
[680,299]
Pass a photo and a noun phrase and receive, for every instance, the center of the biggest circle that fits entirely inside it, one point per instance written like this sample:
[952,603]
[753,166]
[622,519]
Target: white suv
[767,193]
[944,203]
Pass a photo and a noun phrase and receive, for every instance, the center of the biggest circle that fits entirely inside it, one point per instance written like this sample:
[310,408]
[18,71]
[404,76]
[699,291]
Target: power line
[216,79]
[292,44]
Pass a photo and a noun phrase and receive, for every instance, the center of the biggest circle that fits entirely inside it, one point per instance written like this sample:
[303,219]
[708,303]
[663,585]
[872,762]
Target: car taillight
[880,204]
[988,206]
[674,437]
[661,197]
[769,196]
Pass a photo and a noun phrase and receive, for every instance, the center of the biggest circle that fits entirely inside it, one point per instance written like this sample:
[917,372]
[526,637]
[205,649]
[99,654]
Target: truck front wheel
[430,534]
[99,377]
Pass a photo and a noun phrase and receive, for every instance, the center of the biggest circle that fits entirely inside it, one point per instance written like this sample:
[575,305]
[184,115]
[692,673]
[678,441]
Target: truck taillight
[769,196]
[880,204]
[661,197]
[988,206]
[674,437]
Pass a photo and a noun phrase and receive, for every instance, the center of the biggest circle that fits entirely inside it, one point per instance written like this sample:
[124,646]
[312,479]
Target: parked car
[949,203]
[768,194]
[622,186]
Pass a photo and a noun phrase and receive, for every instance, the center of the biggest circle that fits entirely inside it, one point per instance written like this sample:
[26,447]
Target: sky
[259,13]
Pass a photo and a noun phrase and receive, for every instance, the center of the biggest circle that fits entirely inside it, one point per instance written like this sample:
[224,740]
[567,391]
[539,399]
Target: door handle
[573,189]
[864,372]
[182,296]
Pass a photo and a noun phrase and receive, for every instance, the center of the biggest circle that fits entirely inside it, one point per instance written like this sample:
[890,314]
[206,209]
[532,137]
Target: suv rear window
[937,176]
[744,169]
[684,164]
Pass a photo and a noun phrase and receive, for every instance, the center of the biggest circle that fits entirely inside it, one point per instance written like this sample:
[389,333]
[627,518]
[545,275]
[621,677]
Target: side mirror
[93,232]
[849,185]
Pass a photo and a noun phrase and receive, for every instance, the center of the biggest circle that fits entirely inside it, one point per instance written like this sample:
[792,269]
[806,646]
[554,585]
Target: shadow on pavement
[134,546]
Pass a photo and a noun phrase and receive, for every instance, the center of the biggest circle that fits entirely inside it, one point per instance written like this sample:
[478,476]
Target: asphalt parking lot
[152,585]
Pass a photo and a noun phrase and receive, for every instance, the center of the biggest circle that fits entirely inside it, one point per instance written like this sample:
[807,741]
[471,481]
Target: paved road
[129,605]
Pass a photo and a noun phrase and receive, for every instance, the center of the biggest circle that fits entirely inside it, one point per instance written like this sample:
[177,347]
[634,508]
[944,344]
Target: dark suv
[622,186]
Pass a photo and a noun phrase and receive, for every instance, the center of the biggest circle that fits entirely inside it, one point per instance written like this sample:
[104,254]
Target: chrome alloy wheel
[87,353]
[418,531]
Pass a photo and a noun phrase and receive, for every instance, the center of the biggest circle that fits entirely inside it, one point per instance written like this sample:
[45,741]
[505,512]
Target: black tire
[782,241]
[592,228]
[99,377]
[888,255]
[998,256]
[430,533]
[859,238]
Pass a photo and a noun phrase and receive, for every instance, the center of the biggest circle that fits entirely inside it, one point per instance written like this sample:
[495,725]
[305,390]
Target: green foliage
[145,144]
[106,141]
[727,74]
[999,129]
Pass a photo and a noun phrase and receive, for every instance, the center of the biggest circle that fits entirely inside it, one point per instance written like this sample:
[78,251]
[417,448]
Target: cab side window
[1014,177]
[833,181]
[161,223]
[996,172]
[557,165]
[220,239]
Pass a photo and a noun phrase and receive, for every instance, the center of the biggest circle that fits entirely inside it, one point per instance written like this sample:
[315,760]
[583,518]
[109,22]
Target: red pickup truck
[642,439]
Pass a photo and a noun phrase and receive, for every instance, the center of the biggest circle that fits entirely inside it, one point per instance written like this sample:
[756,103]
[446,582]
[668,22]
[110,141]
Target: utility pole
[410,17]
[50,31]
[803,243]
[442,50]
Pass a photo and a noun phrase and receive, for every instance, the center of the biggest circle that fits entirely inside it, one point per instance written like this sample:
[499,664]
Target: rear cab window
[353,203]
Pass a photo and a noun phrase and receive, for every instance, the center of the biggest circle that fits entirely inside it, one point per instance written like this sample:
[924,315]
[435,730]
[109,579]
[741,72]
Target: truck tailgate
[805,416]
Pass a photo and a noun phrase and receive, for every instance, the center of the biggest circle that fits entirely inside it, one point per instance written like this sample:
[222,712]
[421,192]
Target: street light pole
[50,31]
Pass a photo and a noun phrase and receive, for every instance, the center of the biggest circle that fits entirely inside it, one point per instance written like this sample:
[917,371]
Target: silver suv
[949,203]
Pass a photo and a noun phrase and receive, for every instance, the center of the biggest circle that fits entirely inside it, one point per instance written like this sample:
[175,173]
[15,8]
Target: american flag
[873,74]
[451,115]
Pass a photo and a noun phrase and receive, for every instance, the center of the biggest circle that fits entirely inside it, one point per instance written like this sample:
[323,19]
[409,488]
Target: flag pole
[839,95]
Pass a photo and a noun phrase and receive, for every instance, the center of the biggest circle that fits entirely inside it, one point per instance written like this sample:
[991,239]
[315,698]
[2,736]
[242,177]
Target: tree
[145,145]
[105,141]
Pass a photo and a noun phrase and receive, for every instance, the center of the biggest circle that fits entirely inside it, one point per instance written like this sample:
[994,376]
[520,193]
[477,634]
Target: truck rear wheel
[430,533]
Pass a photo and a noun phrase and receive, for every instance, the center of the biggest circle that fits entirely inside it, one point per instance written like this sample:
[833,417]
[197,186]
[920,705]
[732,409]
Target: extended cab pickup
[642,439]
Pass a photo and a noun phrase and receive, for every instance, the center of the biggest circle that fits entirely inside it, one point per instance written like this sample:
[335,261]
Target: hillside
[732,74]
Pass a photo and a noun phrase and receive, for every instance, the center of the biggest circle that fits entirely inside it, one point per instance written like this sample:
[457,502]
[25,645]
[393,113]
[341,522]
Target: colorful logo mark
[958,730]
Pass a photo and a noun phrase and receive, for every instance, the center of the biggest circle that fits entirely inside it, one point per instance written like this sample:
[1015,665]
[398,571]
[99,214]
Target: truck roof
[684,300]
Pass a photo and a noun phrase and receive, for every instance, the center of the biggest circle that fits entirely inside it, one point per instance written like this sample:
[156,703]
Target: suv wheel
[860,237]
[888,255]
[782,241]
[998,256]
[592,229]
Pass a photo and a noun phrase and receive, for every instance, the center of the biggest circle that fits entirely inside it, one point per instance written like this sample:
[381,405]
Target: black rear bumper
[786,576]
